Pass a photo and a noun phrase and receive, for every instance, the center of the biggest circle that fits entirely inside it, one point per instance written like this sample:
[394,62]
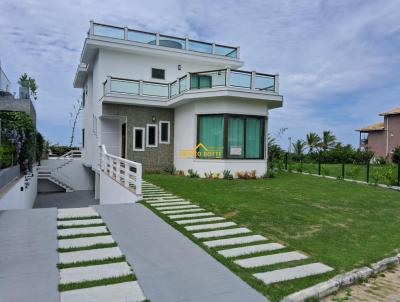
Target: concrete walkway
[61,200]
[28,249]
[169,267]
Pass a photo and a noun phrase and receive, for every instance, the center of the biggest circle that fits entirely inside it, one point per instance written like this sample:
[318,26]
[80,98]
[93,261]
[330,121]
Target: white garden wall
[112,192]
[20,194]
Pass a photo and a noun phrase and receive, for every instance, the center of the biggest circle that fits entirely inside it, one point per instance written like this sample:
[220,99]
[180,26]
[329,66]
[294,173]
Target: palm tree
[328,140]
[299,147]
[313,140]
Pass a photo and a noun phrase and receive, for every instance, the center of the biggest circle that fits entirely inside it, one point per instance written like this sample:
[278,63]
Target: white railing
[72,154]
[125,172]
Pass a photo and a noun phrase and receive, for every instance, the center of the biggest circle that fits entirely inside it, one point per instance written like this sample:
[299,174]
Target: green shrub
[193,174]
[227,174]
[396,155]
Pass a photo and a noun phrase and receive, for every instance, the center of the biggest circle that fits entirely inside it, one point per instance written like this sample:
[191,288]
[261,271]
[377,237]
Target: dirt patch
[231,214]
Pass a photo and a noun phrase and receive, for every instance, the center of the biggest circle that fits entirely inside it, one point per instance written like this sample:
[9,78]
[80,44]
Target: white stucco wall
[20,194]
[185,133]
[78,176]
[111,192]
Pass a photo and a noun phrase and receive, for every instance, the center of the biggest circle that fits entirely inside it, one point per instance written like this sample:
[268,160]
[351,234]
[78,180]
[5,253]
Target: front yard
[344,225]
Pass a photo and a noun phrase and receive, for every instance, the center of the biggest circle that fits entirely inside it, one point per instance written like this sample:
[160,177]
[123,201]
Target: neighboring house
[382,138]
[153,98]
[9,103]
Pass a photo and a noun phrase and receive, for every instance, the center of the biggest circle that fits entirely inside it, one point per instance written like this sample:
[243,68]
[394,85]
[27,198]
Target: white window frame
[143,138]
[155,133]
[160,129]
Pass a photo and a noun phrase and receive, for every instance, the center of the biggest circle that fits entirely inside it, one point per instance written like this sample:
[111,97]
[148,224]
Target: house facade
[382,138]
[166,101]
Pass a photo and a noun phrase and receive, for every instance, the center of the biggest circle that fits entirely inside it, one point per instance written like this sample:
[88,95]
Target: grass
[77,226]
[344,225]
[82,235]
[79,218]
[91,262]
[93,283]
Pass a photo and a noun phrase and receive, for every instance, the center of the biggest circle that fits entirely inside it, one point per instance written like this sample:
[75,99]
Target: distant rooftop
[374,127]
[4,81]
[394,111]
[124,33]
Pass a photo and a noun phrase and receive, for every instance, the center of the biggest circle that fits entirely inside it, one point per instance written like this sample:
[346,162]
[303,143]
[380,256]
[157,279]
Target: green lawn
[344,225]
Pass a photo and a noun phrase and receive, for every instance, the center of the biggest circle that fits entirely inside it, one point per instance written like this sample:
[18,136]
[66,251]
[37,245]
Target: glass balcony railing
[124,33]
[223,78]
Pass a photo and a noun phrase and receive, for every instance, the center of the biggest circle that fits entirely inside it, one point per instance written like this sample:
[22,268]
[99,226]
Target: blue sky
[339,60]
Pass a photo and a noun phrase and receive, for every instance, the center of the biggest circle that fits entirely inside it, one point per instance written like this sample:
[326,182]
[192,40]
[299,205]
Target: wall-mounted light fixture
[153,118]
[179,67]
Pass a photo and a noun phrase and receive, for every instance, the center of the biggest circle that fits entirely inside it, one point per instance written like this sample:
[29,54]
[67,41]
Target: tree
[40,144]
[299,147]
[313,140]
[328,140]
[30,83]
[74,115]
[396,155]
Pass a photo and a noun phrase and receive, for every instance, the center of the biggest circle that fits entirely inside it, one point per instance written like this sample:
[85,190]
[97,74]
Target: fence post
[286,161]
[368,172]
[319,163]
[398,173]
[343,170]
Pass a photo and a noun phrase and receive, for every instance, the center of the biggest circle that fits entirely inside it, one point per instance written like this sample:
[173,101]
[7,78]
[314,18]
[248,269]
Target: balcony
[223,82]
[124,33]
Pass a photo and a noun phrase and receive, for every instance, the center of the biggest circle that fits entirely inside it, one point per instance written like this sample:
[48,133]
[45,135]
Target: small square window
[158,73]
[138,139]
[151,135]
[164,134]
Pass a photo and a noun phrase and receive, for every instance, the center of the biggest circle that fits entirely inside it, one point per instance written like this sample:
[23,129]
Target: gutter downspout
[387,135]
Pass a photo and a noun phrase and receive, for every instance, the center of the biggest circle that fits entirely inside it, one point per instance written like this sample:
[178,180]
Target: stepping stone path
[93,256]
[232,241]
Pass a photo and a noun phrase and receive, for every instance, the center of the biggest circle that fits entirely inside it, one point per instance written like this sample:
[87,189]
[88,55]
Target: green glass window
[235,137]
[253,137]
[200,81]
[211,136]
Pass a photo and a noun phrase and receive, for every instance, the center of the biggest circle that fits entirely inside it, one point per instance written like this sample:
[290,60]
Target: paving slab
[67,223]
[28,261]
[121,292]
[76,212]
[236,240]
[95,272]
[270,259]
[293,273]
[172,203]
[82,231]
[182,211]
[191,215]
[85,241]
[157,200]
[176,207]
[180,270]
[199,220]
[251,249]
[88,255]
[221,233]
[209,226]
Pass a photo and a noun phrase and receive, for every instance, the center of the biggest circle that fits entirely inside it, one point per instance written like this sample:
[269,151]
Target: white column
[97,186]
[253,80]
[141,87]
[125,33]
[187,43]
[238,52]
[266,143]
[213,49]
[228,77]
[117,170]
[126,175]
[277,83]
[138,183]
[91,28]
[157,38]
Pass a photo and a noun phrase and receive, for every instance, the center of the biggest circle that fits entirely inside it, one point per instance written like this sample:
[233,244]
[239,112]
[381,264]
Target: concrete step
[85,241]
[89,255]
[270,259]
[221,233]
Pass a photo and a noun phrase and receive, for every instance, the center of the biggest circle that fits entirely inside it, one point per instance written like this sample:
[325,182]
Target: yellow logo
[202,151]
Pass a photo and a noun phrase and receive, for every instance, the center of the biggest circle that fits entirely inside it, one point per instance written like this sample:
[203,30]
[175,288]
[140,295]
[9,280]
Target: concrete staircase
[56,176]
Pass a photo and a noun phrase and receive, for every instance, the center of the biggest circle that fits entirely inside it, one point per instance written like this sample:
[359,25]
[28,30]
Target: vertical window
[211,135]
[138,139]
[158,73]
[235,137]
[83,137]
[164,128]
[151,135]
[254,133]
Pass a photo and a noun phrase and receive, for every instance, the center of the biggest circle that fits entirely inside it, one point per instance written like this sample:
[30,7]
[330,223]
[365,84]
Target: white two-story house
[153,99]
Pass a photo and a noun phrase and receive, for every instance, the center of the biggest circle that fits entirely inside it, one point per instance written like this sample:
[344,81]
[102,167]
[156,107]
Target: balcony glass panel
[226,51]
[208,79]
[265,83]
[183,84]
[153,89]
[172,42]
[174,88]
[108,31]
[141,37]
[200,46]
[240,79]
[121,86]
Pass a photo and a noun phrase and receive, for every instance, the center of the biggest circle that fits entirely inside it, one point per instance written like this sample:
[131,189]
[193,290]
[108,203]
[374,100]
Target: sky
[338,60]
